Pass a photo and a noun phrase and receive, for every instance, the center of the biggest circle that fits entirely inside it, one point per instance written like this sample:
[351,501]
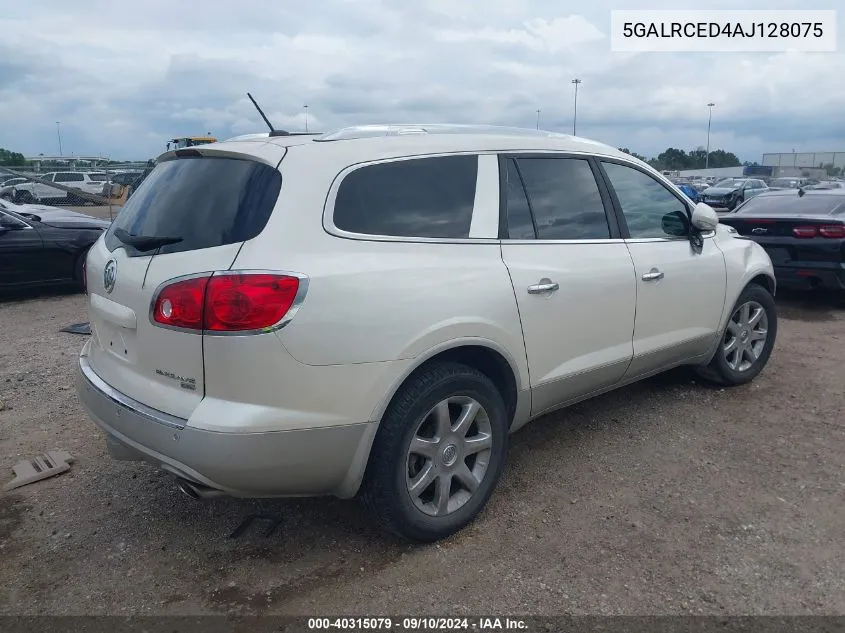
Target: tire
[728,366]
[413,415]
[738,201]
[79,270]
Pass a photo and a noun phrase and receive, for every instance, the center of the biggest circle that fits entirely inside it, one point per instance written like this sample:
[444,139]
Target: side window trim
[610,211]
[620,216]
[527,197]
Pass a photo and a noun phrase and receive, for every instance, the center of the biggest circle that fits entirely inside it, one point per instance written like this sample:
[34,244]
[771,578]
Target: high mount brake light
[226,302]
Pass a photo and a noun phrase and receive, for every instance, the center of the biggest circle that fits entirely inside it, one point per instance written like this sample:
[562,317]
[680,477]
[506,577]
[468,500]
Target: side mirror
[675,224]
[704,218]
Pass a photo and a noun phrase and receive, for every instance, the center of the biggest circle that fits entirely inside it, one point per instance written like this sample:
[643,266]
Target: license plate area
[117,341]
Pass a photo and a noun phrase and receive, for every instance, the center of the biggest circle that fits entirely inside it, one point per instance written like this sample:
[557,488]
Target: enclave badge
[110,275]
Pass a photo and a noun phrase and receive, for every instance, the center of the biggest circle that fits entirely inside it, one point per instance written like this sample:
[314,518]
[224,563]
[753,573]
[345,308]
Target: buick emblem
[110,275]
[759,230]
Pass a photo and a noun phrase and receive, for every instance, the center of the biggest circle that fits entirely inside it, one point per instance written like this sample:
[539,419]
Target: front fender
[745,260]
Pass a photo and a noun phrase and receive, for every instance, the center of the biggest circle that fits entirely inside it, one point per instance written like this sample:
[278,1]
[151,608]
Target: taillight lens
[246,301]
[180,304]
[833,231]
[804,231]
[226,302]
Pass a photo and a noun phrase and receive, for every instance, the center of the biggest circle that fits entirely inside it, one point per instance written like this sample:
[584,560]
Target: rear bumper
[810,277]
[305,462]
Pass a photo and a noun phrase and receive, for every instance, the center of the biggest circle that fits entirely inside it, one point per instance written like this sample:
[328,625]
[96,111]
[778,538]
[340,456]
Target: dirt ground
[667,497]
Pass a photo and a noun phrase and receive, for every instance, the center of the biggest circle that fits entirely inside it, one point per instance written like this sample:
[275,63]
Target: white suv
[374,310]
[40,191]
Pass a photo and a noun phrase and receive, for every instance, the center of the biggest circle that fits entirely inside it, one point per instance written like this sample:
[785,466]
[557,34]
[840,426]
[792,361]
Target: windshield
[730,183]
[205,201]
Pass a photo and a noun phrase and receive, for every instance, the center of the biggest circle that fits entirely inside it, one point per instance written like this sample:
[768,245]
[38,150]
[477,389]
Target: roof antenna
[273,131]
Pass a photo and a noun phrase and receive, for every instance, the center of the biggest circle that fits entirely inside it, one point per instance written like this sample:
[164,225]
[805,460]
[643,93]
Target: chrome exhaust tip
[198,491]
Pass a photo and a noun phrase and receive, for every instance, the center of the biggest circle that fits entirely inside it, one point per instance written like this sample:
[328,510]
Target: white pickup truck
[39,191]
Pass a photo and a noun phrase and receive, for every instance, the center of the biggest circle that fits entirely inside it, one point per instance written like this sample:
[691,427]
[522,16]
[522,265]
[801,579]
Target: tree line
[11,159]
[677,159]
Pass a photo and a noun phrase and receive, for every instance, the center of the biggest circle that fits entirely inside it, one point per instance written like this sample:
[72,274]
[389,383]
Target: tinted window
[520,225]
[69,177]
[205,201]
[644,202]
[423,197]
[826,204]
[564,198]
[97,177]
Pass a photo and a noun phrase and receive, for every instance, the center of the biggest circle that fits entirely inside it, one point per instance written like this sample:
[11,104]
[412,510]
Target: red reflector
[805,273]
[226,302]
[804,231]
[833,230]
[248,301]
[180,304]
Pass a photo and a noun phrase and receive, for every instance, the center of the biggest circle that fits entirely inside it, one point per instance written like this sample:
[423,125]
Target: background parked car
[690,191]
[7,186]
[791,183]
[828,184]
[732,192]
[802,231]
[41,245]
[114,188]
[39,192]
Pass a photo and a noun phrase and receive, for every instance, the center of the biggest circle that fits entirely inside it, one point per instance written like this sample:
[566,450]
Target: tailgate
[188,218]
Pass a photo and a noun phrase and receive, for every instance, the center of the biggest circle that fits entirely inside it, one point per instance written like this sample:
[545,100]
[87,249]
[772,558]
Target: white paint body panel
[376,308]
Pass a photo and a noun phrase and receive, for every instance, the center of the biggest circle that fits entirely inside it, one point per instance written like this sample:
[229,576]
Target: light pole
[538,119]
[709,119]
[306,117]
[59,134]
[575,110]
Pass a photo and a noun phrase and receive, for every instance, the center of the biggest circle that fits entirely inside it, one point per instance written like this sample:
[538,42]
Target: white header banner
[730,31]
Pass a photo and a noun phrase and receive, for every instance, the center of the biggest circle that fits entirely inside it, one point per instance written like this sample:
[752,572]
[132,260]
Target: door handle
[545,285]
[653,275]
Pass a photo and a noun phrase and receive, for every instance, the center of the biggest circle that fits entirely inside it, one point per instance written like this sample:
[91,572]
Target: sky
[124,77]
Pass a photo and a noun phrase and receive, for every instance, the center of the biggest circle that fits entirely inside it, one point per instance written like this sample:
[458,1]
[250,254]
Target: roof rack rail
[370,131]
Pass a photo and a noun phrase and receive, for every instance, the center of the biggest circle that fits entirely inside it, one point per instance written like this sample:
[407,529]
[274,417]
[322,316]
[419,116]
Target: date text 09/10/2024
[418,624]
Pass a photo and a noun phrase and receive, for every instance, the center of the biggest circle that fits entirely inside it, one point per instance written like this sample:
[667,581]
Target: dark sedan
[802,231]
[41,245]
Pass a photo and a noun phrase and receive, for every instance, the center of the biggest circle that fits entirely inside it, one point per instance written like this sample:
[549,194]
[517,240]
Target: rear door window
[69,177]
[207,202]
[421,197]
[563,197]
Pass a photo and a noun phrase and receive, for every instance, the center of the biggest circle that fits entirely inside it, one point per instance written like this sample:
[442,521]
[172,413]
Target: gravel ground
[667,497]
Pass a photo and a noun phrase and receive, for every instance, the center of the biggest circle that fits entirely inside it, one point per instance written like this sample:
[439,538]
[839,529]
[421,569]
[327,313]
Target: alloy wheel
[449,455]
[745,337]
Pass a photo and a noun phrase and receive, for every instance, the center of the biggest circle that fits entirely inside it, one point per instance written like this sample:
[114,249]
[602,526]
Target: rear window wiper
[145,243]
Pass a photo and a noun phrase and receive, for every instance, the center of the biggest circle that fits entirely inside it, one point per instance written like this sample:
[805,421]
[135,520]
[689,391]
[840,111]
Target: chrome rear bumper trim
[122,400]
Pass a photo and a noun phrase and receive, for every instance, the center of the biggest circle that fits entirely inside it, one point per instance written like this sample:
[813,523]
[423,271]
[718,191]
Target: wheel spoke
[443,487]
[733,327]
[467,479]
[745,313]
[422,480]
[759,335]
[756,316]
[736,352]
[424,446]
[466,418]
[751,353]
[730,347]
[477,443]
[443,418]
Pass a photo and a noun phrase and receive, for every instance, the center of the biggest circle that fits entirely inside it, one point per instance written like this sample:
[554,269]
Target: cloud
[123,81]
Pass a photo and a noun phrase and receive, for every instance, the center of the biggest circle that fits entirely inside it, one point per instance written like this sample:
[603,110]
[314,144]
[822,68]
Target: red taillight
[833,231]
[180,304]
[248,301]
[804,231]
[226,302]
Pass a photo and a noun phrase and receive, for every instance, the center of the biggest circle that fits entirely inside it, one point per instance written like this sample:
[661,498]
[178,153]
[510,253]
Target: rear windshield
[811,204]
[98,177]
[205,201]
